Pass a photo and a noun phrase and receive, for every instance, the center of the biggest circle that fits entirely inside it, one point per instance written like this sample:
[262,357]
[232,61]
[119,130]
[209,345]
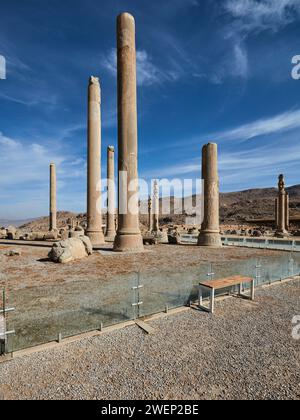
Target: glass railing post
[137,301]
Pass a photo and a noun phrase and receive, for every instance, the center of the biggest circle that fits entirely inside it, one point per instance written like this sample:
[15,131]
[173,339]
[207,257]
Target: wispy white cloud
[284,122]
[253,162]
[21,163]
[147,72]
[241,169]
[29,99]
[278,124]
[245,18]
[259,15]
[24,175]
[176,170]
[254,169]
[234,65]
[240,66]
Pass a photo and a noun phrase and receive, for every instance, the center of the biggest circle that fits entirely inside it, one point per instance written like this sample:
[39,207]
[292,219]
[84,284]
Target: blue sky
[208,70]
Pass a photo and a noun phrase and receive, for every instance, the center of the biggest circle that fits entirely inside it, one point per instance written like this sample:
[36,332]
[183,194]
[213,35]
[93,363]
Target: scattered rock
[71,249]
[149,240]
[51,236]
[13,253]
[12,233]
[77,232]
[162,237]
[3,233]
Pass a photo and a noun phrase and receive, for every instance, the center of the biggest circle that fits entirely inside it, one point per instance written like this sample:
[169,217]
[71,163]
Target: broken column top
[111,148]
[94,80]
[281,182]
[94,89]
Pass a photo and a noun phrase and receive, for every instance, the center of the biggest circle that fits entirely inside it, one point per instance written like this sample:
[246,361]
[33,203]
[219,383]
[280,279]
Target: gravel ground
[244,351]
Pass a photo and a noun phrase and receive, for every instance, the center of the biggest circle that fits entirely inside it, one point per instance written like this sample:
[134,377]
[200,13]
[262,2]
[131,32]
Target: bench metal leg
[240,289]
[201,306]
[253,290]
[212,301]
[200,297]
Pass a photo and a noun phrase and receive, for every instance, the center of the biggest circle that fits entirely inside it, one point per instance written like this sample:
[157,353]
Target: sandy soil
[32,267]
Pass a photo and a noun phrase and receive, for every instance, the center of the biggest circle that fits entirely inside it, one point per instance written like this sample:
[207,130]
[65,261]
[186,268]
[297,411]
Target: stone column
[53,207]
[210,230]
[203,174]
[282,204]
[276,213]
[129,236]
[287,211]
[94,216]
[155,207]
[150,215]
[111,227]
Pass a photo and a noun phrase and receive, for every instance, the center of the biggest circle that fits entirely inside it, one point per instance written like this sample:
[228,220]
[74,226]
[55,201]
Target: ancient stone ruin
[94,217]
[53,206]
[110,224]
[282,209]
[129,236]
[71,249]
[210,229]
[155,207]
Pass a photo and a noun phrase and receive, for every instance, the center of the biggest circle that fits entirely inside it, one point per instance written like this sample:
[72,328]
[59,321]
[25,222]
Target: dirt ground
[32,267]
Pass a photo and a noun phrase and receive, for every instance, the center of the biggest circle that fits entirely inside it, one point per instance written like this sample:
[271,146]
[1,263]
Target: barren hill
[235,207]
[255,203]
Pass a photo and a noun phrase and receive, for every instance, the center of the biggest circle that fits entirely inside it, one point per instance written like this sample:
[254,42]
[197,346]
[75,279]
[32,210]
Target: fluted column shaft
[94,216]
[111,227]
[210,230]
[129,236]
[53,204]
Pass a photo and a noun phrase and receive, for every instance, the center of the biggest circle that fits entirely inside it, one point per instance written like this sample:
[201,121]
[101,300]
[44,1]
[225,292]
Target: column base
[96,238]
[208,238]
[110,236]
[128,242]
[55,230]
[281,233]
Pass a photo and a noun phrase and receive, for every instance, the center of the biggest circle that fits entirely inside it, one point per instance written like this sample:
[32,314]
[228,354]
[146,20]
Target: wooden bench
[229,282]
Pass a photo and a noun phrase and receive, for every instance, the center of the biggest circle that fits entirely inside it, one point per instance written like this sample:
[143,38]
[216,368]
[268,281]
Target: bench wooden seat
[228,282]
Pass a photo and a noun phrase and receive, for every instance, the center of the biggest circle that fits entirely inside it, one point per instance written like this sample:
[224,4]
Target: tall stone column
[210,230]
[111,227]
[129,236]
[203,175]
[276,213]
[282,208]
[155,207]
[150,215]
[53,206]
[94,217]
[287,211]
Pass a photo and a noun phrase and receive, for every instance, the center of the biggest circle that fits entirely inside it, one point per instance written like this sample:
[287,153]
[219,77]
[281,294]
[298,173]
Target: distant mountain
[16,223]
[235,207]
[42,223]
[255,204]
